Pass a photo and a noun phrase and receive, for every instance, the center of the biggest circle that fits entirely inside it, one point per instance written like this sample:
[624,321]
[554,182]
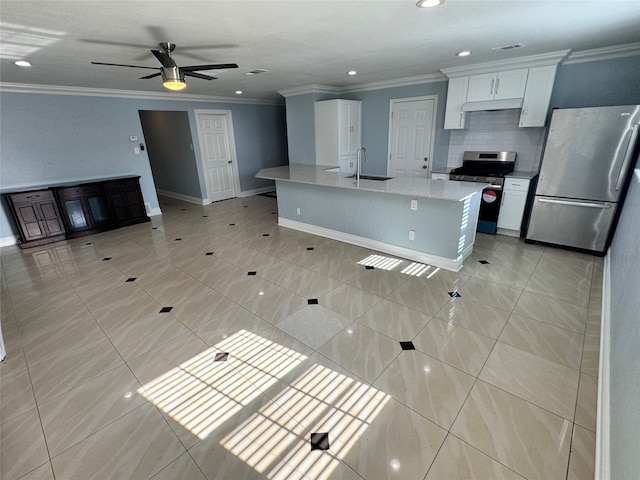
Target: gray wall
[170,151]
[375,124]
[616,82]
[625,340]
[301,127]
[53,138]
[597,84]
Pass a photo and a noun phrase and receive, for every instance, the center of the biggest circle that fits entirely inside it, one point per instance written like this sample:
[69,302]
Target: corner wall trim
[603,416]
[442,262]
[256,191]
[185,198]
[8,241]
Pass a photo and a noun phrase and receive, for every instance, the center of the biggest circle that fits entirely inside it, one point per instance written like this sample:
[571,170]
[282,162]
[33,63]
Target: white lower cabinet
[514,200]
[439,176]
[348,163]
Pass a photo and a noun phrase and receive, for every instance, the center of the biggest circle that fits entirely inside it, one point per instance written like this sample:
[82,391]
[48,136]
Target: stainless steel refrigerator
[587,160]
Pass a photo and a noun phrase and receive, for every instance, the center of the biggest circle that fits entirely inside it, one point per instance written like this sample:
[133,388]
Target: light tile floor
[211,343]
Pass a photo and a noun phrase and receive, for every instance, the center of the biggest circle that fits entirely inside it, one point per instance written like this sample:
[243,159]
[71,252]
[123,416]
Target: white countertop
[522,174]
[414,187]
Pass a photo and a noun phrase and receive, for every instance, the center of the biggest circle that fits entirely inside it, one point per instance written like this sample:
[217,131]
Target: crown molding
[306,89]
[398,82]
[531,61]
[604,53]
[103,92]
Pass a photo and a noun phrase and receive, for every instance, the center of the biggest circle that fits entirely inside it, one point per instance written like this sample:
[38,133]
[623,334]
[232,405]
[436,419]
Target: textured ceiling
[299,42]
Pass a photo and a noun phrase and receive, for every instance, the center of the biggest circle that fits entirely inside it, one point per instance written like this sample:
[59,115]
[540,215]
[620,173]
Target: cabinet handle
[497,85]
[33,196]
[491,89]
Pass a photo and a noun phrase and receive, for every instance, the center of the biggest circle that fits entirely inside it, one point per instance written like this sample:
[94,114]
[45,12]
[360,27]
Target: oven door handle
[575,204]
[493,187]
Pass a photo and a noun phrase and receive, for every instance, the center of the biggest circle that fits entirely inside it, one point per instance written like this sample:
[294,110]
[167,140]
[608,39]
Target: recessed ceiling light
[429,3]
[22,63]
[352,72]
[464,53]
[238,92]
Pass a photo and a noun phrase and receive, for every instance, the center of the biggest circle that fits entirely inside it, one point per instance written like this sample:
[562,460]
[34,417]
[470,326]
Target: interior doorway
[411,136]
[218,153]
[169,142]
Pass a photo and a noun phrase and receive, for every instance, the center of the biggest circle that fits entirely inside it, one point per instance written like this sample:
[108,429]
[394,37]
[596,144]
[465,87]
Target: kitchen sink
[371,177]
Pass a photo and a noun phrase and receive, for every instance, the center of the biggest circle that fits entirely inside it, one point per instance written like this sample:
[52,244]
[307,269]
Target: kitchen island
[378,214]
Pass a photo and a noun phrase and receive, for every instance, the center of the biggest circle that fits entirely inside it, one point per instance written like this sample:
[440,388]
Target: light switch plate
[414,204]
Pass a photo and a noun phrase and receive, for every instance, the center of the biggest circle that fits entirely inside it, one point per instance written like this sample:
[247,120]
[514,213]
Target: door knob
[229,161]
[426,159]
[424,167]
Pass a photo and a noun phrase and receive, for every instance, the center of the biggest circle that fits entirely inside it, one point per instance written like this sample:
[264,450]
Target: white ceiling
[299,42]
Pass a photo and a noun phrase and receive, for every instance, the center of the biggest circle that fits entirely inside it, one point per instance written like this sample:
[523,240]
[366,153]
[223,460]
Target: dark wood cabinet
[85,209]
[37,217]
[126,201]
[73,210]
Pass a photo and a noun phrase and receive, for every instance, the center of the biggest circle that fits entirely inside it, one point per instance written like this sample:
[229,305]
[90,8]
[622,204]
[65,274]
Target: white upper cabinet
[497,86]
[337,130]
[454,117]
[537,96]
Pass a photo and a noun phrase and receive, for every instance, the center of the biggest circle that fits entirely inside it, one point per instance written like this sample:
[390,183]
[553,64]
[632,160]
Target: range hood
[492,105]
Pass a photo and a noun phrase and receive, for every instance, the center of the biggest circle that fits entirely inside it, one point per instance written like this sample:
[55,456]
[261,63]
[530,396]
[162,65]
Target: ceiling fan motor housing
[173,78]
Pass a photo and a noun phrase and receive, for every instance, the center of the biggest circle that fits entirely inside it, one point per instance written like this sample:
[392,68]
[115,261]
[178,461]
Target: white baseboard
[154,212]
[416,256]
[256,191]
[186,198]
[508,232]
[8,241]
[603,442]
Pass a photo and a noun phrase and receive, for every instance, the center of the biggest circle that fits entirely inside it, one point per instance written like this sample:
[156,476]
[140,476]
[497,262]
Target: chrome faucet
[360,154]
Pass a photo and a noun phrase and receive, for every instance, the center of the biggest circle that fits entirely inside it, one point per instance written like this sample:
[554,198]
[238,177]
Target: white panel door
[411,140]
[217,156]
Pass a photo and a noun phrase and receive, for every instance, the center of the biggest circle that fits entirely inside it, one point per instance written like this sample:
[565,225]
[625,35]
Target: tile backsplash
[498,130]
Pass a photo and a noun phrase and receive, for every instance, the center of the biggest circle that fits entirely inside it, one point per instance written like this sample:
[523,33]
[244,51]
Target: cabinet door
[454,117]
[510,84]
[512,209]
[537,96]
[75,214]
[348,163]
[349,127]
[99,210]
[30,225]
[481,87]
[126,201]
[51,217]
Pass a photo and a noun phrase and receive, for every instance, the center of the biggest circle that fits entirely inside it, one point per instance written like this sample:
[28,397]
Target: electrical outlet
[414,204]
[298,211]
[412,235]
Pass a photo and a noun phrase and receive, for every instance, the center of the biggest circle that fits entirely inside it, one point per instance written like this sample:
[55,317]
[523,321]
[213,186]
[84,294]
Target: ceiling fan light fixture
[22,63]
[429,3]
[173,78]
[463,53]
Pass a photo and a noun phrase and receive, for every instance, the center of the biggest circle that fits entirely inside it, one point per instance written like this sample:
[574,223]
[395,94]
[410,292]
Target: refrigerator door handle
[575,204]
[627,157]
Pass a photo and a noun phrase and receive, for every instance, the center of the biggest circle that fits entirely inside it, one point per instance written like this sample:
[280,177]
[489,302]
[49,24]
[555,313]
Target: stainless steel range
[486,167]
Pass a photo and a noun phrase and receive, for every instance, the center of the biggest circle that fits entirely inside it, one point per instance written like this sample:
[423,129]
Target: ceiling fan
[172,74]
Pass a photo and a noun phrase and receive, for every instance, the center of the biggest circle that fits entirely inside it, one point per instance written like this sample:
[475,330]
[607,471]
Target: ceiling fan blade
[199,75]
[164,59]
[150,76]
[121,65]
[215,66]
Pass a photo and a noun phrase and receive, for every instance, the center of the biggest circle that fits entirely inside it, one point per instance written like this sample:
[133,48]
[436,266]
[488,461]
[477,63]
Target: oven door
[490,209]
